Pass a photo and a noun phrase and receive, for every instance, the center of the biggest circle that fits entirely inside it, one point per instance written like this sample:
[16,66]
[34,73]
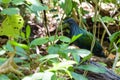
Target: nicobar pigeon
[85,40]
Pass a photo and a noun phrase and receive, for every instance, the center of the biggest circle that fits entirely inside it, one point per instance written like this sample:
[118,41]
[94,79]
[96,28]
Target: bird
[85,40]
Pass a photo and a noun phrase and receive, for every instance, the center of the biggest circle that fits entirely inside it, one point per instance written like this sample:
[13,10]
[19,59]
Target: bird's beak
[65,21]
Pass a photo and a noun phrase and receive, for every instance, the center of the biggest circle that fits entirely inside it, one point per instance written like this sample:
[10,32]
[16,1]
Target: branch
[115,46]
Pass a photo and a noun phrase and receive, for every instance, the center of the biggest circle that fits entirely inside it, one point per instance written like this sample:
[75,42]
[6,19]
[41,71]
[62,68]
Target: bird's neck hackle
[74,27]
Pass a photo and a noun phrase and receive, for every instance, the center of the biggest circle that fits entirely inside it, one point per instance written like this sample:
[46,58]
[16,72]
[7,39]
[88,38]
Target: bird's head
[69,21]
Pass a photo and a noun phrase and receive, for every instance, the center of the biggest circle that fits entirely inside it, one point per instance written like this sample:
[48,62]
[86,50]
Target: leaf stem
[115,46]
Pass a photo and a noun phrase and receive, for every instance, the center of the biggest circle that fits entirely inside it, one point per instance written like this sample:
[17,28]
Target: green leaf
[53,49]
[95,19]
[92,68]
[22,34]
[9,47]
[80,52]
[78,76]
[64,39]
[55,2]
[14,43]
[35,76]
[47,75]
[62,65]
[21,52]
[34,2]
[119,49]
[39,41]
[86,58]
[3,77]
[118,41]
[77,53]
[76,57]
[11,26]
[18,2]
[18,60]
[28,31]
[6,1]
[2,60]
[53,38]
[36,8]
[75,37]
[107,19]
[67,6]
[54,77]
[114,36]
[10,11]
[40,76]
[50,56]
[62,50]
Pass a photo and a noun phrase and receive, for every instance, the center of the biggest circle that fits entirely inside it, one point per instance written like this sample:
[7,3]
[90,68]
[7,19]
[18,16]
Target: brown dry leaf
[111,56]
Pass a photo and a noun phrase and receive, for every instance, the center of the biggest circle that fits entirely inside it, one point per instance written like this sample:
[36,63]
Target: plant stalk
[115,46]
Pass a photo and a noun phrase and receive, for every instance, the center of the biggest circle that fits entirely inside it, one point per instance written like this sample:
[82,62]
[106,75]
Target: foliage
[114,38]
[10,11]
[61,61]
[12,25]
[67,6]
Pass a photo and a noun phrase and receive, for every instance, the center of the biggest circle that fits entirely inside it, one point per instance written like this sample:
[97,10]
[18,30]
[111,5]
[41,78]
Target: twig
[45,19]
[94,27]
[102,38]
[115,46]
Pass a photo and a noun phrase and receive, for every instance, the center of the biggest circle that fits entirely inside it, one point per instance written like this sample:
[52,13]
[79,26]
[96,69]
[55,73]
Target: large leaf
[50,56]
[4,77]
[12,25]
[78,76]
[81,52]
[47,75]
[18,2]
[9,47]
[75,37]
[114,37]
[21,52]
[39,41]
[77,53]
[107,19]
[53,38]
[14,43]
[64,39]
[10,11]
[62,65]
[76,57]
[18,60]
[92,68]
[67,6]
[53,49]
[6,1]
[40,76]
[36,8]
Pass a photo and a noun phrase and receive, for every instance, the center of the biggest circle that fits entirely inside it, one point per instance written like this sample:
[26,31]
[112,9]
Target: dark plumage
[85,40]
